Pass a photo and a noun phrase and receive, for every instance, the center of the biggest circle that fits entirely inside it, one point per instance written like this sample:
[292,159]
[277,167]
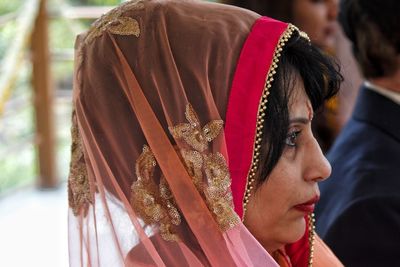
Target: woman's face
[276,209]
[318,19]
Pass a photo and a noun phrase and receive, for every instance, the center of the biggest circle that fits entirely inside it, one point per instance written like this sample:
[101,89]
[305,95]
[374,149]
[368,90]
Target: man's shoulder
[362,145]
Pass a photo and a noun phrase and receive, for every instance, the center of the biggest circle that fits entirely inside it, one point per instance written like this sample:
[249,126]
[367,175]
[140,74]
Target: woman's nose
[318,167]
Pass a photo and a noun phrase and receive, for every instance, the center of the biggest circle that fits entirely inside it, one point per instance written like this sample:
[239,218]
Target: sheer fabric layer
[137,71]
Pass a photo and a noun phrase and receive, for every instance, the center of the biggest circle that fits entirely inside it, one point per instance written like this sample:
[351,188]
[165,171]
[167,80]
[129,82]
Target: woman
[174,160]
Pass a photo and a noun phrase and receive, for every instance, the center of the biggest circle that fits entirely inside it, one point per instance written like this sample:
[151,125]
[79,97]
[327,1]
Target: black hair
[372,27]
[321,78]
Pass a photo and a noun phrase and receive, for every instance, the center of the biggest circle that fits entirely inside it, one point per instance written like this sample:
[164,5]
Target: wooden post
[43,100]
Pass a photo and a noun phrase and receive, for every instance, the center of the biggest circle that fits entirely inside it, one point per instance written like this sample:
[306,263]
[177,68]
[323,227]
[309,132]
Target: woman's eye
[291,138]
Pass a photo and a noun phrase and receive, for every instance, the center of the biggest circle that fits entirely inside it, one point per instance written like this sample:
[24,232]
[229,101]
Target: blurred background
[36,69]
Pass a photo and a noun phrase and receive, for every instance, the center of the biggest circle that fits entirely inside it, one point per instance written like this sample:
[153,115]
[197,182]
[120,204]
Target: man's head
[373,28]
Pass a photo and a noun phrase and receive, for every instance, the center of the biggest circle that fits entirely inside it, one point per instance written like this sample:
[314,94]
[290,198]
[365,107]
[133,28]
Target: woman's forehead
[299,103]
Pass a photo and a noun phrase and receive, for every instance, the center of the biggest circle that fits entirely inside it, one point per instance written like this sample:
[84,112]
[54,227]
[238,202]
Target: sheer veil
[150,180]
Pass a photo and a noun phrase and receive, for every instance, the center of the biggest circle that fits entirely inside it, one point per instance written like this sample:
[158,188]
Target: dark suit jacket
[358,215]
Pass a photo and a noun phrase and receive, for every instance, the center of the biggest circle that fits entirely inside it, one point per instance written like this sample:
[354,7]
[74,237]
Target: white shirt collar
[395,97]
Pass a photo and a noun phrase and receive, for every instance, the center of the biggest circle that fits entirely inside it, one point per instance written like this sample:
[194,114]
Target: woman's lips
[307,207]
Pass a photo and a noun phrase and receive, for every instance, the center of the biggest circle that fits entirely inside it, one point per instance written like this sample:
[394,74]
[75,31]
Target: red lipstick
[307,207]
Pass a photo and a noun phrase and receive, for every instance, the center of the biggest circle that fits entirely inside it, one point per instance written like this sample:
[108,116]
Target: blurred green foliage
[7,31]
[7,6]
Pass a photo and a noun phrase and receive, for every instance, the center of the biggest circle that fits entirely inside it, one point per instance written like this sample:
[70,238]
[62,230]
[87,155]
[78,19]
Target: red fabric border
[246,91]
[241,117]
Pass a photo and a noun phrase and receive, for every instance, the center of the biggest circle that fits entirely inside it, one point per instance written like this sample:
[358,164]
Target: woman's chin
[295,230]
[287,233]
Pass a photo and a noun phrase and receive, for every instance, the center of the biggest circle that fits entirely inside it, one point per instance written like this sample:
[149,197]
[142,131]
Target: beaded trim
[311,237]
[304,35]
[261,112]
[260,124]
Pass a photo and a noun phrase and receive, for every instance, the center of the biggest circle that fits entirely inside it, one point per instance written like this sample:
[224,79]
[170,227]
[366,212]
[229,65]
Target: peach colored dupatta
[323,256]
[149,182]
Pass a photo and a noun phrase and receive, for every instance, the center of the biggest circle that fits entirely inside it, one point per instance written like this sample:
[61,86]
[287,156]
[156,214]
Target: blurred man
[359,212]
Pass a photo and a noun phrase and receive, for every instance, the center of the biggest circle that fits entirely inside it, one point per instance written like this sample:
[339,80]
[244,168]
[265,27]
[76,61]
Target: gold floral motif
[208,171]
[79,195]
[218,194]
[115,23]
[194,163]
[215,188]
[166,194]
[193,134]
[154,203]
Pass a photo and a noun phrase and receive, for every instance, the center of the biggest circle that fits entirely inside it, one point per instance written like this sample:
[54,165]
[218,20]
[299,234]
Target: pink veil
[150,176]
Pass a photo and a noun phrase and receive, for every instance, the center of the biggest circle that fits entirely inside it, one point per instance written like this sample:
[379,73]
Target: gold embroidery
[79,195]
[193,134]
[115,23]
[218,194]
[216,187]
[170,202]
[194,162]
[154,204]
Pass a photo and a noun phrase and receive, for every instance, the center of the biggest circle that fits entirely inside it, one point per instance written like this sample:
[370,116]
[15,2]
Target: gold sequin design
[218,194]
[115,22]
[193,134]
[154,203]
[215,187]
[79,195]
[194,163]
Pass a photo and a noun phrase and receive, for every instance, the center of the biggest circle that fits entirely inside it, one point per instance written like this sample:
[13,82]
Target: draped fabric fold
[150,177]
[149,183]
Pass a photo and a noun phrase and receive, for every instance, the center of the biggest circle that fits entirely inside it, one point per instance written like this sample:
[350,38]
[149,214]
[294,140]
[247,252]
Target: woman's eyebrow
[301,120]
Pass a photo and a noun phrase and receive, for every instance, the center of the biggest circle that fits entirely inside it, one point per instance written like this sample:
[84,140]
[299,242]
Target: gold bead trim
[261,113]
[311,237]
[304,35]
